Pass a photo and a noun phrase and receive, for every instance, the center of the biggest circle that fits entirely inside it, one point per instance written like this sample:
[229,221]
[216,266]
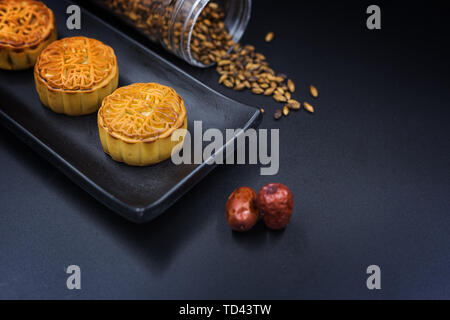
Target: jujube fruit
[242,210]
[276,203]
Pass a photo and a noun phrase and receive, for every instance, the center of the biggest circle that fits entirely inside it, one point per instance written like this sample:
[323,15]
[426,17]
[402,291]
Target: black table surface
[369,172]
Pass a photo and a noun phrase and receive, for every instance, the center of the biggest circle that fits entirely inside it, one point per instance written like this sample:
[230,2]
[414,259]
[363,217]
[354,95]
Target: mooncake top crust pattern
[24,23]
[142,112]
[77,64]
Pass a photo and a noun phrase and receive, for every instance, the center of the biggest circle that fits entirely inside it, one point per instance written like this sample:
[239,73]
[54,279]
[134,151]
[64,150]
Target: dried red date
[276,203]
[242,211]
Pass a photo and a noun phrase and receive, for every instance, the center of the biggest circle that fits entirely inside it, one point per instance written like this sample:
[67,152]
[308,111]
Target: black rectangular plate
[72,143]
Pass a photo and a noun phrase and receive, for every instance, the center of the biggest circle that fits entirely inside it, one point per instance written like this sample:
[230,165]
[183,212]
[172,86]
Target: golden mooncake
[136,123]
[73,75]
[26,28]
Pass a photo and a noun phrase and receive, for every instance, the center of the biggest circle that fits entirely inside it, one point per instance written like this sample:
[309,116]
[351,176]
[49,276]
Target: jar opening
[236,18]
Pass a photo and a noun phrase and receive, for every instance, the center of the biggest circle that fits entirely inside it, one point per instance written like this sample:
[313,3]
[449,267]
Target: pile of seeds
[243,68]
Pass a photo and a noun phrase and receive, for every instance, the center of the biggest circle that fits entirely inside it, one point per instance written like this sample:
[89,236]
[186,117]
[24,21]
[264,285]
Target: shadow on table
[156,243]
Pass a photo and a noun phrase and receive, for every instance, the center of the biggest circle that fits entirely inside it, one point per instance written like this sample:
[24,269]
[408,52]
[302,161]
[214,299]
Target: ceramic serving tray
[72,143]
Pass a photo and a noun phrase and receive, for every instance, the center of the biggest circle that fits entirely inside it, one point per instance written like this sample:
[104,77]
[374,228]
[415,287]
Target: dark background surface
[369,172]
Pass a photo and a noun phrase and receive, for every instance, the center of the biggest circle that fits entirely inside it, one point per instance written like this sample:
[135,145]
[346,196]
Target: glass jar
[175,24]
